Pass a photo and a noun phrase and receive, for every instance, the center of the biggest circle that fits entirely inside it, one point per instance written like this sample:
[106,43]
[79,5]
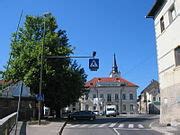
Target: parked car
[96,112]
[82,115]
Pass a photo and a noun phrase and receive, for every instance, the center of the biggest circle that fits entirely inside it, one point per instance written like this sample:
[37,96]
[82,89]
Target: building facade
[149,99]
[113,90]
[166,15]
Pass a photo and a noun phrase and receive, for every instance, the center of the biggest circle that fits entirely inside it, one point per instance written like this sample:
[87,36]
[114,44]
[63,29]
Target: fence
[7,124]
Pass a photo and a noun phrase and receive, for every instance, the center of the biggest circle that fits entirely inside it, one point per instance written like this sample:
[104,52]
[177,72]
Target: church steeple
[114,72]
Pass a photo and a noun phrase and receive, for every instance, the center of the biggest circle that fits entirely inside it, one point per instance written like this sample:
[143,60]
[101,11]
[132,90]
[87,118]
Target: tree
[63,79]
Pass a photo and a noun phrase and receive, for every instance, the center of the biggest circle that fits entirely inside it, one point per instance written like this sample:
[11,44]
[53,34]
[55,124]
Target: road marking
[121,126]
[131,126]
[72,126]
[115,130]
[140,126]
[112,125]
[102,125]
[85,125]
[93,125]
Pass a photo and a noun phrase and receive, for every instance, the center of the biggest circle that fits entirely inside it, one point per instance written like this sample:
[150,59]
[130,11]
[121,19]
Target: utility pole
[41,75]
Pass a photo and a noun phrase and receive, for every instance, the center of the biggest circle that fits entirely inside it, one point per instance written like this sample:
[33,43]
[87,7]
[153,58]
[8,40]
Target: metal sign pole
[41,75]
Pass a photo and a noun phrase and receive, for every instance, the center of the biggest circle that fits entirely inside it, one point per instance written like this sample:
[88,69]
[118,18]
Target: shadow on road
[23,129]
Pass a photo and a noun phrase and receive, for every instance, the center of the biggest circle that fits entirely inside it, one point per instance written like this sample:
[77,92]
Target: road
[112,126]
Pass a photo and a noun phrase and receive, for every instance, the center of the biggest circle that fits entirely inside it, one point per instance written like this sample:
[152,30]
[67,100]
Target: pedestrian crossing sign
[93,64]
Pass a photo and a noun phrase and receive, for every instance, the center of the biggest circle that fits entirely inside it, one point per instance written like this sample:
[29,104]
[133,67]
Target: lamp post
[41,76]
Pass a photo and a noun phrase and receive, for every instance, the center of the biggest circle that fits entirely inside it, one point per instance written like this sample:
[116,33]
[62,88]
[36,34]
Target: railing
[7,124]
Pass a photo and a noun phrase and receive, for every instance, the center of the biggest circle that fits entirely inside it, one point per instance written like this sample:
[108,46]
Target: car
[82,115]
[96,112]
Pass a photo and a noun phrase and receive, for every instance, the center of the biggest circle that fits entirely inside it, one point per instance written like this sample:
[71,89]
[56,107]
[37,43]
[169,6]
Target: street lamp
[41,75]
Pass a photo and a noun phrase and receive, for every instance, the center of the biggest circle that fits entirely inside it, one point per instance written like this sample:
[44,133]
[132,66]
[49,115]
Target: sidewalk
[52,128]
[169,130]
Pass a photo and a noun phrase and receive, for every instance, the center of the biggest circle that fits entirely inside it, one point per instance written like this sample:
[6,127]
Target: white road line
[94,125]
[112,125]
[102,125]
[72,126]
[115,130]
[84,125]
[131,126]
[140,126]
[121,126]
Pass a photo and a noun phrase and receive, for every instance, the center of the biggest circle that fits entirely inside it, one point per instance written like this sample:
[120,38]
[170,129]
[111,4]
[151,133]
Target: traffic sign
[93,64]
[40,97]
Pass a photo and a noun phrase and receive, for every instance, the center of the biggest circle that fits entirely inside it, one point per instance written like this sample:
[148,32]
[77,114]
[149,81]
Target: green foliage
[63,79]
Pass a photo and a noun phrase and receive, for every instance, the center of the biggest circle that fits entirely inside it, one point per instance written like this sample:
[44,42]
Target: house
[149,99]
[166,16]
[112,90]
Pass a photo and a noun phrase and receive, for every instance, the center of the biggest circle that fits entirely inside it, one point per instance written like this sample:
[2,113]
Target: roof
[1,82]
[155,9]
[153,84]
[93,83]
[7,82]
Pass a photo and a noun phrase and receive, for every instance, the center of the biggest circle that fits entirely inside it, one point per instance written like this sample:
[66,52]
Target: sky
[104,26]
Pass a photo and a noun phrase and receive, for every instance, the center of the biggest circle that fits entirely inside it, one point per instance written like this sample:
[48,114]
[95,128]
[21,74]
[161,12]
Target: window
[116,97]
[172,14]
[124,107]
[87,107]
[177,56]
[131,108]
[131,96]
[74,104]
[86,96]
[108,97]
[101,96]
[154,98]
[124,96]
[94,95]
[94,108]
[162,24]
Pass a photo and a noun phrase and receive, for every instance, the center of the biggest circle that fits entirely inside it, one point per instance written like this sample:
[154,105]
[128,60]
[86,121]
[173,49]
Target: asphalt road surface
[137,125]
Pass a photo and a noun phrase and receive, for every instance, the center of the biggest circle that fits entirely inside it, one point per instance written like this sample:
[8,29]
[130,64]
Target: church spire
[115,67]
[114,72]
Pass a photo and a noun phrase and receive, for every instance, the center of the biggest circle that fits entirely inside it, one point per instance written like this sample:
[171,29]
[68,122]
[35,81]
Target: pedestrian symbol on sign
[93,64]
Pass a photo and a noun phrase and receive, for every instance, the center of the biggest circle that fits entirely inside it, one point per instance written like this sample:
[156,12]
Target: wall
[169,74]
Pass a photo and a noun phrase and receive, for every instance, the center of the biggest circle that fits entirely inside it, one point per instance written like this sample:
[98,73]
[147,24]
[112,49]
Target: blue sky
[106,26]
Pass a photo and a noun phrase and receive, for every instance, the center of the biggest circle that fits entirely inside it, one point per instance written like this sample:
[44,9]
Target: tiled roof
[1,81]
[94,81]
[153,84]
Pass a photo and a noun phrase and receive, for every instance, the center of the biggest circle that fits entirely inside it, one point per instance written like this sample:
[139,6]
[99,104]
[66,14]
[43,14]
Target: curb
[61,130]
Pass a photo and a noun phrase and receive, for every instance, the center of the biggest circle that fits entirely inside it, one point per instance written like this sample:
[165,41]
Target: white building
[166,15]
[112,90]
[149,99]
